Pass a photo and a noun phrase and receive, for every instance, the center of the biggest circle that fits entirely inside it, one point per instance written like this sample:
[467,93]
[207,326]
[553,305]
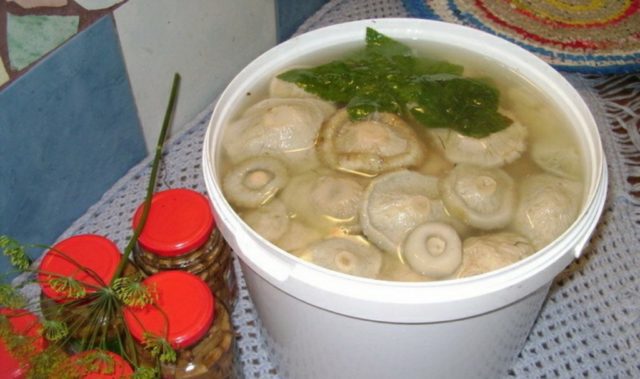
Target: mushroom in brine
[349,255]
[395,203]
[494,150]
[548,205]
[490,252]
[433,249]
[286,129]
[482,197]
[254,181]
[381,142]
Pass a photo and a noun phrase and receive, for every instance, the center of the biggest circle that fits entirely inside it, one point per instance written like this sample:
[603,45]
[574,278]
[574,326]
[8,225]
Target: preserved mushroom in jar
[180,234]
[188,316]
[98,258]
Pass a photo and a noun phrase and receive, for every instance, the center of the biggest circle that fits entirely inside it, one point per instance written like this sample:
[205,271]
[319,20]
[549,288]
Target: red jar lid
[179,221]
[187,303]
[89,250]
[25,323]
[119,369]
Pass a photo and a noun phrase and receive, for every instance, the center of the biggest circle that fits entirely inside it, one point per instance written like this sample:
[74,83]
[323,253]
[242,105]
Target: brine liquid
[545,123]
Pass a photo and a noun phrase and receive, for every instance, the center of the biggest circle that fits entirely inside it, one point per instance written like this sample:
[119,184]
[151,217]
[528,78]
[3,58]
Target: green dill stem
[152,179]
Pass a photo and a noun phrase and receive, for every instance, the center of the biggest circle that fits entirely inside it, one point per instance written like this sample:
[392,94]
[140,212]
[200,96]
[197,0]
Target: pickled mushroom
[398,271]
[490,252]
[395,203]
[270,221]
[298,236]
[331,200]
[482,197]
[254,181]
[283,128]
[495,150]
[548,206]
[349,255]
[433,249]
[557,159]
[381,142]
[284,89]
[326,108]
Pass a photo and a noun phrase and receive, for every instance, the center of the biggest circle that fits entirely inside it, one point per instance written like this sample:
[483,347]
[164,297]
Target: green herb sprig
[387,77]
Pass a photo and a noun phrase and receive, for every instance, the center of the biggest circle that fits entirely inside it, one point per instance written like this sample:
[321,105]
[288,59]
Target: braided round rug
[588,36]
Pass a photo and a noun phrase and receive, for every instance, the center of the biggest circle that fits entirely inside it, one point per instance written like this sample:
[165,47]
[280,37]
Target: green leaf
[465,105]
[386,76]
[378,43]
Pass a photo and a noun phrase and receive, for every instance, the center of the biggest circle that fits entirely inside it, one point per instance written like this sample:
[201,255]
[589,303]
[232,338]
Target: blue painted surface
[68,130]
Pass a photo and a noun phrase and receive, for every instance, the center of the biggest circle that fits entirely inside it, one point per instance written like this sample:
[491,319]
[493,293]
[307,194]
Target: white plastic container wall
[323,324]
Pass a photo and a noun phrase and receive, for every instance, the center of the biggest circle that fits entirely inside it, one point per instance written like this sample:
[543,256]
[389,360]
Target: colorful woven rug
[589,36]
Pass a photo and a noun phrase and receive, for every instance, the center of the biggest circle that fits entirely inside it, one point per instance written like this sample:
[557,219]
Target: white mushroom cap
[557,158]
[481,254]
[482,197]
[433,249]
[381,142]
[284,128]
[270,221]
[326,108]
[494,150]
[325,199]
[284,89]
[395,203]
[548,206]
[298,236]
[396,270]
[254,181]
[349,255]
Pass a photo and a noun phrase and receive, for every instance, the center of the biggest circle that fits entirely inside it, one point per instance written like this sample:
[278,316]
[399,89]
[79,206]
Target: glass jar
[180,234]
[25,324]
[198,328]
[95,253]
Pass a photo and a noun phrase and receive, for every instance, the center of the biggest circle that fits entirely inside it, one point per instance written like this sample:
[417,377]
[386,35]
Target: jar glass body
[76,315]
[212,262]
[214,356]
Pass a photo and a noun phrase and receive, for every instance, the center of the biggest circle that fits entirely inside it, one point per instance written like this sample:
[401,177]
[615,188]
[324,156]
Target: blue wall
[68,130]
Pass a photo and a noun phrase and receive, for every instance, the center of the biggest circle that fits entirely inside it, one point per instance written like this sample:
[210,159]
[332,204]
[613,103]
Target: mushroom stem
[254,181]
[433,249]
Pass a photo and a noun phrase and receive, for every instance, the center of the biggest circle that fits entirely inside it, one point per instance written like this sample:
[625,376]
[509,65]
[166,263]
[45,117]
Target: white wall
[206,41]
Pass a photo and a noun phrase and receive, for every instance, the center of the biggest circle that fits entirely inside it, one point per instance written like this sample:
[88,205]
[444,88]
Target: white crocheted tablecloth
[590,324]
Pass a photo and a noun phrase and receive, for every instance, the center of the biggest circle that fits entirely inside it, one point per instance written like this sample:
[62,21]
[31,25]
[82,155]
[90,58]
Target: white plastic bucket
[323,324]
